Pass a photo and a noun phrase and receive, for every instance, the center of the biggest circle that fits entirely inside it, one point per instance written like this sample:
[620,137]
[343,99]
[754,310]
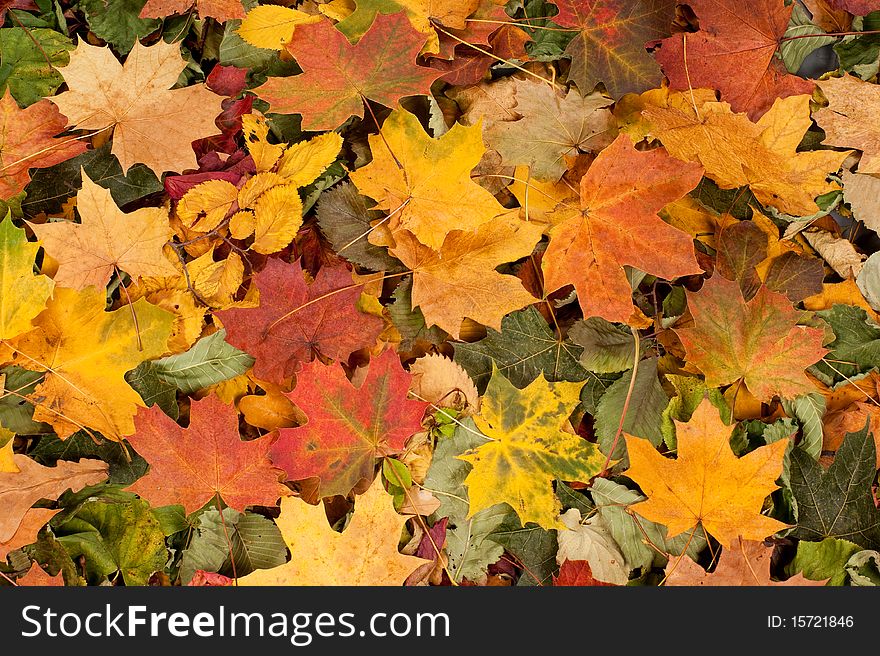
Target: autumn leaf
[339,77]
[296,322]
[611,42]
[272,26]
[85,353]
[847,119]
[30,140]
[590,249]
[23,295]
[576,573]
[425,184]
[190,466]
[365,553]
[150,122]
[222,10]
[107,241]
[756,343]
[527,447]
[32,523]
[707,483]
[734,52]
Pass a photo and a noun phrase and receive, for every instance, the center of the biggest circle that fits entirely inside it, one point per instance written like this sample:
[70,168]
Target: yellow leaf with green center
[530,445]
[86,352]
[426,183]
[22,294]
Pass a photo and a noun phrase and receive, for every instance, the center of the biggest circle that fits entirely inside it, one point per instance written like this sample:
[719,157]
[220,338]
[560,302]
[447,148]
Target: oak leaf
[222,10]
[348,426]
[23,295]
[745,563]
[107,241]
[296,322]
[365,553]
[848,120]
[618,225]
[757,342]
[459,280]
[151,123]
[190,466]
[707,483]
[339,77]
[20,490]
[734,52]
[528,447]
[28,141]
[611,43]
[426,183]
[32,522]
[85,353]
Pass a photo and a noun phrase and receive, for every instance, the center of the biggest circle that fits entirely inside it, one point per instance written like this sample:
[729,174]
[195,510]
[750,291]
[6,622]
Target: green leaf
[796,50]
[533,549]
[608,348]
[594,389]
[838,503]
[864,568]
[146,382]
[117,22]
[50,187]
[210,361]
[571,498]
[23,66]
[808,410]
[860,54]
[16,413]
[126,466]
[646,405]
[124,538]
[823,560]
[525,348]
[409,321]
[856,348]
[256,544]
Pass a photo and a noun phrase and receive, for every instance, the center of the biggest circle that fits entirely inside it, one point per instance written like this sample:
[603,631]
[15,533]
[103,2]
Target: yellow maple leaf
[736,152]
[272,26]
[527,448]
[460,280]
[22,294]
[365,553]
[707,483]
[425,183]
[85,353]
[106,241]
[151,122]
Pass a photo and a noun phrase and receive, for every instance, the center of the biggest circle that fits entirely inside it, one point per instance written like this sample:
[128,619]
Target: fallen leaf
[847,119]
[23,295]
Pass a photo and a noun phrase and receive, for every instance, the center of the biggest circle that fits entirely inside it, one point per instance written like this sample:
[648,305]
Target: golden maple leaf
[106,241]
[707,483]
[365,553]
[425,183]
[151,122]
[527,448]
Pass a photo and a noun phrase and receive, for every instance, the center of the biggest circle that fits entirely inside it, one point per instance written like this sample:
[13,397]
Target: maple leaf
[612,39]
[295,322]
[426,183]
[576,573]
[762,155]
[23,295]
[527,448]
[745,563]
[618,225]
[151,123]
[85,353]
[707,483]
[735,53]
[28,141]
[348,427]
[756,342]
[365,553]
[460,280]
[107,241]
[190,466]
[222,10]
[20,490]
[339,77]
[848,120]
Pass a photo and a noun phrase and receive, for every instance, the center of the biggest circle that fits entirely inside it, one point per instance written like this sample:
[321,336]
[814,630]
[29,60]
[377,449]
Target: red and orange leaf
[222,10]
[757,342]
[348,427]
[618,225]
[735,53]
[576,573]
[339,77]
[28,141]
[296,322]
[189,466]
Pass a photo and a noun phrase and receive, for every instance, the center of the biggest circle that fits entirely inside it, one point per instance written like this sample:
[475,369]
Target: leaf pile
[572,292]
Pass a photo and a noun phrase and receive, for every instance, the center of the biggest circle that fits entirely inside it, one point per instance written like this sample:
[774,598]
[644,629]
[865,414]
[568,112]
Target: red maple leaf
[348,427]
[296,322]
[576,573]
[189,466]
